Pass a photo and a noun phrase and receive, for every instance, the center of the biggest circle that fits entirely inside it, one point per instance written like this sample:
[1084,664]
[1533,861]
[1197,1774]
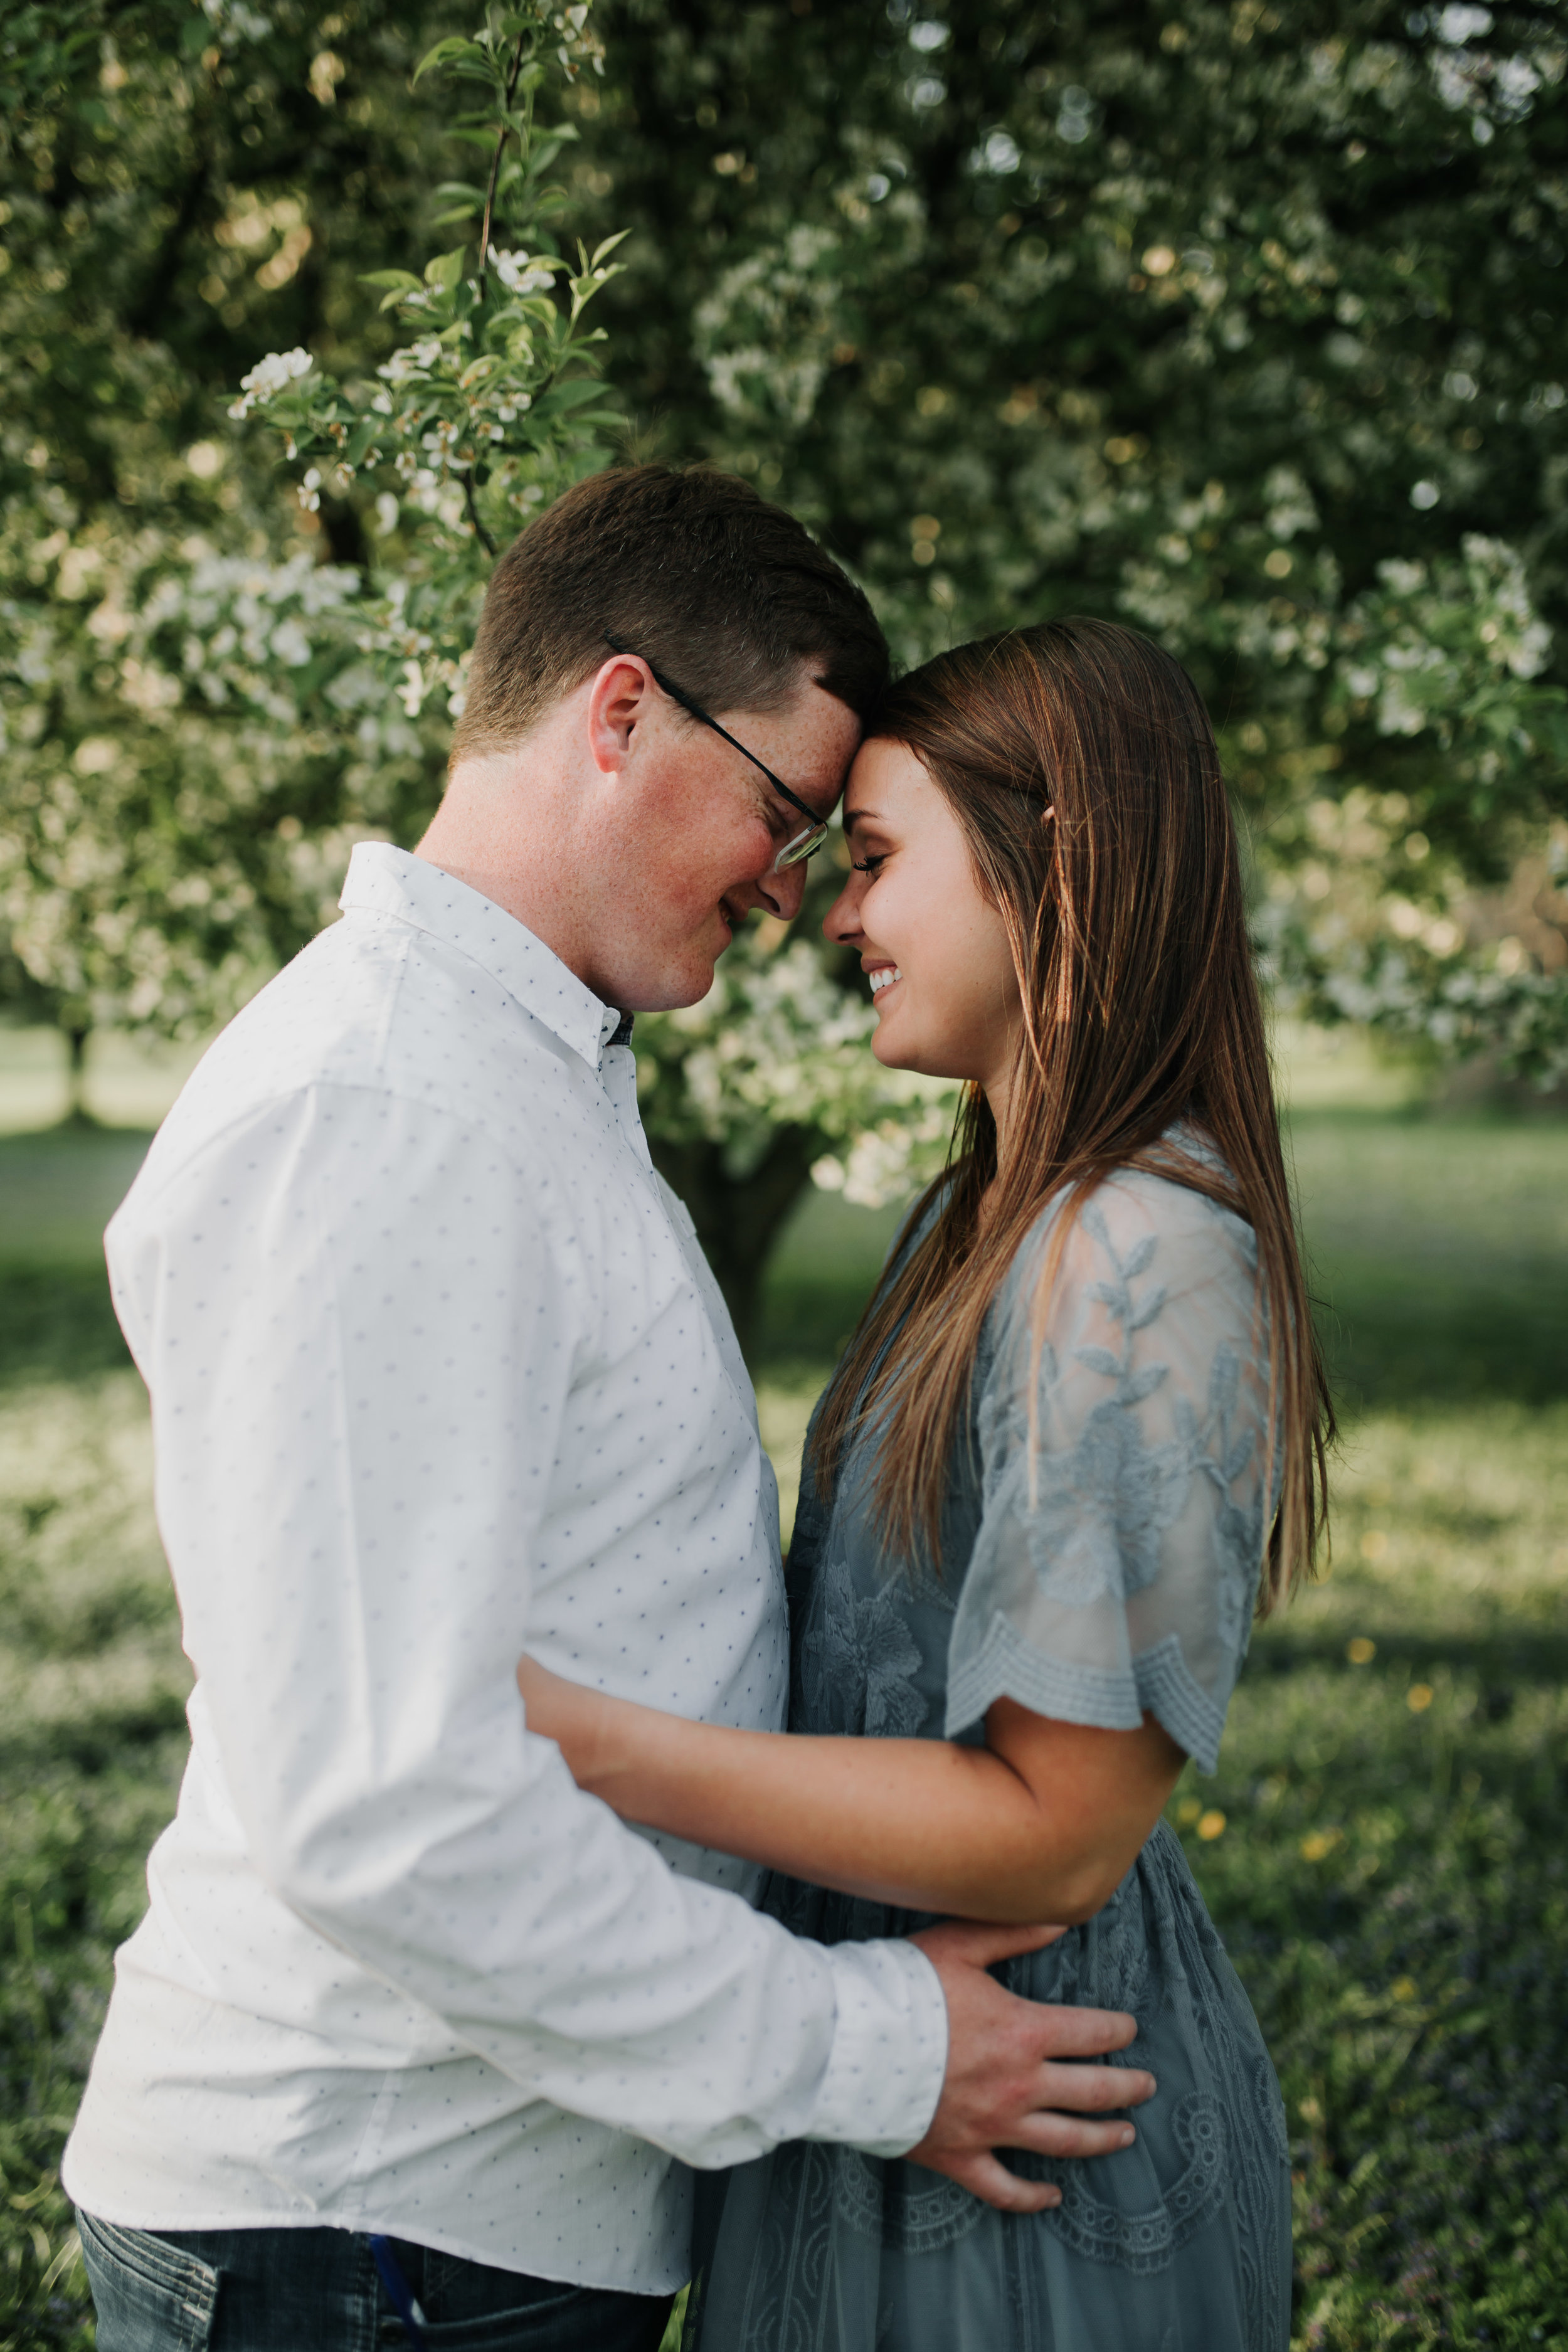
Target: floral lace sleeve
[1117,1560]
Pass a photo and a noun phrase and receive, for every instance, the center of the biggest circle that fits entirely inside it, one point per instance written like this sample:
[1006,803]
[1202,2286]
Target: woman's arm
[1043,1823]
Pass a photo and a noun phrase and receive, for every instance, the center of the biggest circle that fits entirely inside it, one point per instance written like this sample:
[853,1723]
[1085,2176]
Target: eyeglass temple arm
[666,685]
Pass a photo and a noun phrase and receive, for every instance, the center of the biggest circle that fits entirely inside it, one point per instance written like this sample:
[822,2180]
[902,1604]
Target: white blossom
[522,274]
[270,376]
[415,359]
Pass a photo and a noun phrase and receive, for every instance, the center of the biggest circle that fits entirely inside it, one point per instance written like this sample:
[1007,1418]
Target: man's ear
[619,701]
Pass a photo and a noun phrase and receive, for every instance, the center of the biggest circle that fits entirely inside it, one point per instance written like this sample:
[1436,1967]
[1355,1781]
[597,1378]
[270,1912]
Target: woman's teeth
[884,977]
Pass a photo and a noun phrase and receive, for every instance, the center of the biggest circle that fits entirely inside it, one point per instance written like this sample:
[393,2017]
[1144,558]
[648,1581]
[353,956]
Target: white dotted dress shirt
[439,1373]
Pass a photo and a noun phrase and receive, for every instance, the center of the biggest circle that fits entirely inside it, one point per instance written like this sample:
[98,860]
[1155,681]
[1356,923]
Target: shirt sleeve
[360,1345]
[1123,1436]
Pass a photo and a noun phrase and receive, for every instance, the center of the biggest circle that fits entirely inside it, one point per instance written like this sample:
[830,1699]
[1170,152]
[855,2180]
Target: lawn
[1382,1845]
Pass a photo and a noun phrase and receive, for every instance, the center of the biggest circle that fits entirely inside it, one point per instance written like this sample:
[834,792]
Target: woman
[1076,1442]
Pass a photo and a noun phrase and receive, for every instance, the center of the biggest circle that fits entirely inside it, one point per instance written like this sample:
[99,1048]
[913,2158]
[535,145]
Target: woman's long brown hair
[1079,761]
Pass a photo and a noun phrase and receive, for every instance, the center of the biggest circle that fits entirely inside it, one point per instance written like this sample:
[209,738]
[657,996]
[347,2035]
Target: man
[438,1372]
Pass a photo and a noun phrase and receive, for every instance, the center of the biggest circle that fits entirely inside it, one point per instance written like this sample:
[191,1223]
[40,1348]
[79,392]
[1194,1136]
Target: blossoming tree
[200,734]
[1242,323]
[1243,329]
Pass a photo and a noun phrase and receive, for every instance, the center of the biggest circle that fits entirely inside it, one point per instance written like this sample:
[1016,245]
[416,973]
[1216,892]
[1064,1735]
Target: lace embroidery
[1143,2242]
[903,2206]
[1124,1510]
[792,2259]
[1152,1944]
[1223,1457]
[1234,2139]
[1097,1513]
[868,1657]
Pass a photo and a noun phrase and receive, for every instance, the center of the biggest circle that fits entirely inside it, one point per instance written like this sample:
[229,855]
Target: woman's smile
[912,890]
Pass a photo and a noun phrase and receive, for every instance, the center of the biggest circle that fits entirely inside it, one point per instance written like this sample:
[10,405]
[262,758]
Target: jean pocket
[567,2319]
[149,2296]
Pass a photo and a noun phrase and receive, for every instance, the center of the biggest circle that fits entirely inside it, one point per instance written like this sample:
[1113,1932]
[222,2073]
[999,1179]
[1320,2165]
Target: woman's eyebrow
[852,817]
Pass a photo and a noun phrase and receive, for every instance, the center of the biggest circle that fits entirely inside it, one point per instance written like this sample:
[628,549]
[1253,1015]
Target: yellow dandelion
[1211,1825]
[1361,1652]
[1187,1812]
[1418,1697]
[1319,1843]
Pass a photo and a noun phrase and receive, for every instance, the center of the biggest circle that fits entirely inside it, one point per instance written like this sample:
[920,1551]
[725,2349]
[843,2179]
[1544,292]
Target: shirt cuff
[884,2074]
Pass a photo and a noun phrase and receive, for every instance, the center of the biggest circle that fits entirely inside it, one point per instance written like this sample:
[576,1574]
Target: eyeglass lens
[804,845]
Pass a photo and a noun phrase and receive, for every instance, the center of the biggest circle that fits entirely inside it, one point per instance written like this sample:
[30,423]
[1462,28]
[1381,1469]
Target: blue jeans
[318,2291]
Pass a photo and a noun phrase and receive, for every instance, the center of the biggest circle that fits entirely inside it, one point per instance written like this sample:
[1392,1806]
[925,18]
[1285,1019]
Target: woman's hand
[577,1719]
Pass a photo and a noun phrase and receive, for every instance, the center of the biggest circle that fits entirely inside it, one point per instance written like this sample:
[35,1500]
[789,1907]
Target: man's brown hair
[725,593]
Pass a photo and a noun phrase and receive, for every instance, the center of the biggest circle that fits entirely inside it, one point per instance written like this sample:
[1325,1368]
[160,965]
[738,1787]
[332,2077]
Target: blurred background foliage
[1241,322]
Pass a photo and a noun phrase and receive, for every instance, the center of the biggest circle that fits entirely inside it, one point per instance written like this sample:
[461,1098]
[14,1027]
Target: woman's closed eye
[868,865]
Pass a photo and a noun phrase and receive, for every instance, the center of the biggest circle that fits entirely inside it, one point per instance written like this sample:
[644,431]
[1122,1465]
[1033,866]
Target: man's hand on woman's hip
[1007,2083]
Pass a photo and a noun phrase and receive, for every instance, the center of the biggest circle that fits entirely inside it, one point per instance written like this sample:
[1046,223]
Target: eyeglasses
[800,845]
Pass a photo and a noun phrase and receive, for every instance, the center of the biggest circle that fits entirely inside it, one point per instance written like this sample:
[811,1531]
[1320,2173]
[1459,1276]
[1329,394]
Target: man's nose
[784,892]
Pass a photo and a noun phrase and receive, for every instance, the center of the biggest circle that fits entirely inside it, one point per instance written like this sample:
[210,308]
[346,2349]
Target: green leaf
[608,247]
[537,308]
[449,52]
[403,280]
[568,396]
[447,269]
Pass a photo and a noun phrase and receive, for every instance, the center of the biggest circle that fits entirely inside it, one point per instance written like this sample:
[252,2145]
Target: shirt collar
[384,880]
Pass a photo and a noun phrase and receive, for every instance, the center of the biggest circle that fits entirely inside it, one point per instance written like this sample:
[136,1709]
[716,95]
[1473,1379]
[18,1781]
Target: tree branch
[495,173]
[480,533]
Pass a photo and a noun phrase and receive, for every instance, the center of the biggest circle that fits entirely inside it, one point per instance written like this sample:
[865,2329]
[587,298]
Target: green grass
[1390,1876]
[93,1687]
[1438,1251]
[1382,1849]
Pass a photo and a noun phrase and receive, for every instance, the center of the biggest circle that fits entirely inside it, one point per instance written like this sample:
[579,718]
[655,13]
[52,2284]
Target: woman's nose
[842,921]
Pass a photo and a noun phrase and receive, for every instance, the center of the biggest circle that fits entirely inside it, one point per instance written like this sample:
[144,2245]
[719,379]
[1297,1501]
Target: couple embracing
[566,1899]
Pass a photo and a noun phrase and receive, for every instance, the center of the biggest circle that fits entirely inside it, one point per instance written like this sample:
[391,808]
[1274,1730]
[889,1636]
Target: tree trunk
[75,1049]
[738,1218]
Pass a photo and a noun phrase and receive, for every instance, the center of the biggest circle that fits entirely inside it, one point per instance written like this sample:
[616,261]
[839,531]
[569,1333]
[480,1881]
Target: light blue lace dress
[1099,1557]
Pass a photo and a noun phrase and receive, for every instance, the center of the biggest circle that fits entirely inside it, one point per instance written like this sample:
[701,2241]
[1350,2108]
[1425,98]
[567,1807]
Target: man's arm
[360,1345]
